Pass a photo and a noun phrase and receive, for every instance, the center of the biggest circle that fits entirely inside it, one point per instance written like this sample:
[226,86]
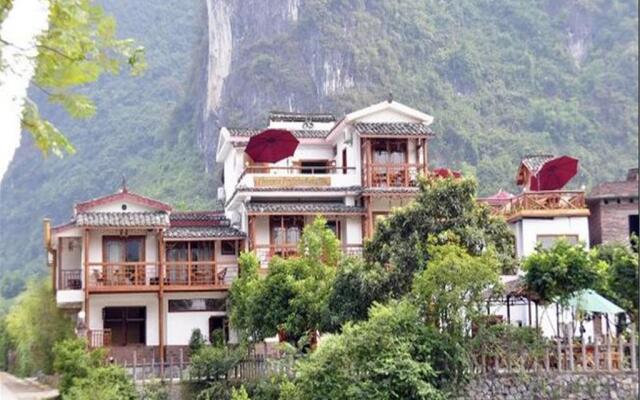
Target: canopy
[590,301]
[271,145]
[555,173]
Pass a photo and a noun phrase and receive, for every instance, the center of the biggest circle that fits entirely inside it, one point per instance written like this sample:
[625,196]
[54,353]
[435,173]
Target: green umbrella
[590,301]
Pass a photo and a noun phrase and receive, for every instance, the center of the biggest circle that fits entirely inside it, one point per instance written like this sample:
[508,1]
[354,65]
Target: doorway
[127,324]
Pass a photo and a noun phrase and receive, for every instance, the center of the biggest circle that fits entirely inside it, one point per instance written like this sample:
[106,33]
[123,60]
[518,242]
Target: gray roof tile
[123,219]
[202,232]
[320,208]
[534,162]
[300,134]
[392,129]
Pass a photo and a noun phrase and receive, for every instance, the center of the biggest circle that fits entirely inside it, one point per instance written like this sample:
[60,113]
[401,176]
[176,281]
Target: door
[128,250]
[127,324]
[219,324]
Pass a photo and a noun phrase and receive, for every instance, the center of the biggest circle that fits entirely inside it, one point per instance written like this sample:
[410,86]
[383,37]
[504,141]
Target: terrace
[547,203]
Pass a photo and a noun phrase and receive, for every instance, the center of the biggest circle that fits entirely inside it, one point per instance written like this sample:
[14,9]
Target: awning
[590,301]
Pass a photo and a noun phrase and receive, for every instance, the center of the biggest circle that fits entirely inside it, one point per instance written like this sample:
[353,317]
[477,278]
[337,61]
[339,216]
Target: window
[389,151]
[123,249]
[286,230]
[634,228]
[548,240]
[228,247]
[315,166]
[127,324]
[344,161]
[193,305]
[335,226]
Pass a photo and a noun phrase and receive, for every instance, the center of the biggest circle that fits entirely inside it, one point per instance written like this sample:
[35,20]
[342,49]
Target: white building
[350,171]
[139,276]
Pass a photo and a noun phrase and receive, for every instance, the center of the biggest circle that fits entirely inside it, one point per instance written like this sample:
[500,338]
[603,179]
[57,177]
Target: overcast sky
[24,22]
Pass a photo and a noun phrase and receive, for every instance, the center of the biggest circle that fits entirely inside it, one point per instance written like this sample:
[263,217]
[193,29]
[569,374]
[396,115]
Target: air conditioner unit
[221,194]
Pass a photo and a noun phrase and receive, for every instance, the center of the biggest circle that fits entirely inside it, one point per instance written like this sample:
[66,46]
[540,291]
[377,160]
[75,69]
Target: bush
[213,362]
[73,361]
[155,391]
[196,341]
[103,383]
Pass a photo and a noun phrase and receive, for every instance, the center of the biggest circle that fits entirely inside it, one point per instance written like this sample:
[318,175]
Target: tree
[35,324]
[293,296]
[444,211]
[621,277]
[554,274]
[79,46]
[392,355]
[450,291]
[73,361]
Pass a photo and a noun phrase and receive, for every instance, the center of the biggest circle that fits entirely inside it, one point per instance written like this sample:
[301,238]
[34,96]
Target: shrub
[73,361]
[103,383]
[213,362]
[196,341]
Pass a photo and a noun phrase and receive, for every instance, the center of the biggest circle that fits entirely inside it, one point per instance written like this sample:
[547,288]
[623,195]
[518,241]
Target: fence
[611,355]
[178,368]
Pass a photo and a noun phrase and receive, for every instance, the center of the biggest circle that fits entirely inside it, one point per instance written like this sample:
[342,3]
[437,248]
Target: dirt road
[13,388]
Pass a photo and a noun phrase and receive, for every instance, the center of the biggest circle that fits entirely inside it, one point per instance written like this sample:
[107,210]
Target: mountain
[502,79]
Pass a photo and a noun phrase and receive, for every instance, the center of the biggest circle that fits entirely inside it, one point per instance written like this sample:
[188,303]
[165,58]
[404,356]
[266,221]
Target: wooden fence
[611,355]
[251,368]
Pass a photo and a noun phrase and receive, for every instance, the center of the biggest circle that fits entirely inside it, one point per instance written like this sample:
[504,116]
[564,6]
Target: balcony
[266,252]
[300,176]
[392,175]
[99,338]
[70,279]
[545,204]
[144,276]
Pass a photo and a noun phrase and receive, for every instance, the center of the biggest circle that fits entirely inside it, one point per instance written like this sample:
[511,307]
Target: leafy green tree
[74,361]
[293,296]
[554,274]
[103,383]
[196,341]
[78,47]
[621,277]
[239,394]
[392,355]
[11,285]
[34,325]
[450,291]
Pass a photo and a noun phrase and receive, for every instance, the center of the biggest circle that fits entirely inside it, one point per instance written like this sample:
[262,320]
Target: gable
[122,201]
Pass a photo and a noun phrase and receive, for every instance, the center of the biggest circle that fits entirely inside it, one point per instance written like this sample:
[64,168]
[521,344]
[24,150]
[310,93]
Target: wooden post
[537,320]
[621,352]
[135,365]
[508,309]
[570,344]
[608,341]
[181,362]
[153,365]
[596,353]
[529,310]
[484,362]
[634,364]
[144,372]
[161,264]
[559,353]
[85,238]
[546,358]
[584,355]
[252,232]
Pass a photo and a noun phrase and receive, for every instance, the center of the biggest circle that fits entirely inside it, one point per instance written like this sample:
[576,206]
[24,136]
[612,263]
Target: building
[542,217]
[614,210]
[139,277]
[351,171]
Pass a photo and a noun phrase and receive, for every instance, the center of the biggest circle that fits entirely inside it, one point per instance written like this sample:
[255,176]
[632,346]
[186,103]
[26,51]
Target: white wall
[353,227]
[528,229]
[71,258]
[116,206]
[149,300]
[179,325]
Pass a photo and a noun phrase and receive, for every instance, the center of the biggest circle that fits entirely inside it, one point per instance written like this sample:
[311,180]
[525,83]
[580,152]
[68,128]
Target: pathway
[14,388]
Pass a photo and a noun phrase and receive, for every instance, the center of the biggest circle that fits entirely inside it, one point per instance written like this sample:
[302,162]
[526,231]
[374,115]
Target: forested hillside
[501,78]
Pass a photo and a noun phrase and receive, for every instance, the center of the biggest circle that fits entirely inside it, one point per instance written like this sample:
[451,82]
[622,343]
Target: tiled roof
[615,189]
[534,162]
[198,218]
[302,208]
[392,129]
[300,134]
[286,116]
[391,190]
[123,219]
[201,232]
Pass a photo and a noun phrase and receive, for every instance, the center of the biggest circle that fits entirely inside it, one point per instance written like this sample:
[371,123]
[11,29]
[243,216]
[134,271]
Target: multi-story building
[351,171]
[614,210]
[138,276]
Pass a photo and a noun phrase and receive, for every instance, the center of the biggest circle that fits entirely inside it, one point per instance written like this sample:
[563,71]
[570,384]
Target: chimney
[632,174]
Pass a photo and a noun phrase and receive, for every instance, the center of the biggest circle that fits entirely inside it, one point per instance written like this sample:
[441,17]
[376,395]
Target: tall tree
[79,46]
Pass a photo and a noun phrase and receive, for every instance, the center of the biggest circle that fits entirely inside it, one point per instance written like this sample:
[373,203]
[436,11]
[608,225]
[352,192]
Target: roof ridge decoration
[123,195]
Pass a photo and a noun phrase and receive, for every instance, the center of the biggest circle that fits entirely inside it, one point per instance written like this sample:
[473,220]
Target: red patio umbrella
[271,145]
[446,173]
[555,173]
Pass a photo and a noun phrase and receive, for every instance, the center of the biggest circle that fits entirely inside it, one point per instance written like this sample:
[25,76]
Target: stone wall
[609,220]
[554,385]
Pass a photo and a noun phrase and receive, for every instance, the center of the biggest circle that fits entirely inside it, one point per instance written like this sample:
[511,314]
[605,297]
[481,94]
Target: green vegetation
[33,325]
[72,361]
[621,275]
[554,274]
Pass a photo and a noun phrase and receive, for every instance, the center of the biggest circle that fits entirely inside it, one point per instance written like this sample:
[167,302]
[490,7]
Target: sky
[24,22]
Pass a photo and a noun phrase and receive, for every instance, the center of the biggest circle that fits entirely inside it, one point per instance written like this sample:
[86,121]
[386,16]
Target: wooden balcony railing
[392,175]
[266,252]
[70,279]
[125,274]
[199,273]
[99,337]
[544,201]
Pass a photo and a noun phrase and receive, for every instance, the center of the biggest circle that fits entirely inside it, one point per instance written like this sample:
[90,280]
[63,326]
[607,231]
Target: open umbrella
[446,173]
[590,301]
[555,173]
[271,145]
